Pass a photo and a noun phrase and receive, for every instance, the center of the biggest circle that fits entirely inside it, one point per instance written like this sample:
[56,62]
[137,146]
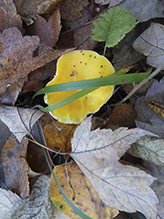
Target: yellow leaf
[80,191]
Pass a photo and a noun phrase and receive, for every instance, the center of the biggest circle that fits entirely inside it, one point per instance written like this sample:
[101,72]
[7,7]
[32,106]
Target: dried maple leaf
[21,55]
[47,31]
[120,186]
[9,16]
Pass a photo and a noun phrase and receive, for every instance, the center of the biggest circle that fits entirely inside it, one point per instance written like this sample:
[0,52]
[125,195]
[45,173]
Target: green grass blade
[68,100]
[94,83]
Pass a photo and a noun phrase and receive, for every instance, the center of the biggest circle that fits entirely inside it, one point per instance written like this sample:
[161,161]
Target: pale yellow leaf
[120,186]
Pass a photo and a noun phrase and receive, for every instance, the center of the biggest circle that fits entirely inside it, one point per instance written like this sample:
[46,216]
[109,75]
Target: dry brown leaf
[28,9]
[9,16]
[47,31]
[19,120]
[71,9]
[56,138]
[14,166]
[81,193]
[120,186]
[123,115]
[21,55]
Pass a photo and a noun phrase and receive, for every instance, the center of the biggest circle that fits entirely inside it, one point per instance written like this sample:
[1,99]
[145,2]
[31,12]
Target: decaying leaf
[149,148]
[147,118]
[120,186]
[15,168]
[28,9]
[151,44]
[80,192]
[21,55]
[71,9]
[157,186]
[47,31]
[57,137]
[156,106]
[9,16]
[38,205]
[19,120]
[8,200]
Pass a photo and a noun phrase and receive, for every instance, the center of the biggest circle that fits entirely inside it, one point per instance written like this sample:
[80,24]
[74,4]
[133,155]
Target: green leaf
[113,26]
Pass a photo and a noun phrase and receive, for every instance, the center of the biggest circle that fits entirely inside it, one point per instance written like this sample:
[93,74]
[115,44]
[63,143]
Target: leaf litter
[15,67]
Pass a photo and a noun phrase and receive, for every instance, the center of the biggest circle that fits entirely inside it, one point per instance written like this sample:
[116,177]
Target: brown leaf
[123,115]
[9,16]
[81,193]
[14,166]
[71,9]
[56,138]
[47,31]
[28,9]
[21,55]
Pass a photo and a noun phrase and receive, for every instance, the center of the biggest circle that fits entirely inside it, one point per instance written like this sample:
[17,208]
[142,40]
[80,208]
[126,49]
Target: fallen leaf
[81,193]
[38,205]
[19,120]
[120,186]
[123,115]
[47,31]
[8,200]
[28,9]
[149,148]
[71,9]
[143,10]
[14,165]
[151,44]
[147,119]
[14,56]
[157,186]
[10,95]
[9,16]
[57,137]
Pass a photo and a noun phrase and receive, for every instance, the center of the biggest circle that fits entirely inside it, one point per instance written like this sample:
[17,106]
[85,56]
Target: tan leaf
[120,186]
[19,59]
[14,166]
[47,31]
[9,16]
[80,192]
[19,120]
[149,148]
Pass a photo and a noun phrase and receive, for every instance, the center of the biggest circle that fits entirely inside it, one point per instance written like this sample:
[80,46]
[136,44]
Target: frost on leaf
[120,186]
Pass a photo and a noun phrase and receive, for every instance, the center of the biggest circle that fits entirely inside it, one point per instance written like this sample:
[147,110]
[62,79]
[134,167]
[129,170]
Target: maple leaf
[120,186]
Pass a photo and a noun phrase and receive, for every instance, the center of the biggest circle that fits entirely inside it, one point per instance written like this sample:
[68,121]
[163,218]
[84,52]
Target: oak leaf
[120,186]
